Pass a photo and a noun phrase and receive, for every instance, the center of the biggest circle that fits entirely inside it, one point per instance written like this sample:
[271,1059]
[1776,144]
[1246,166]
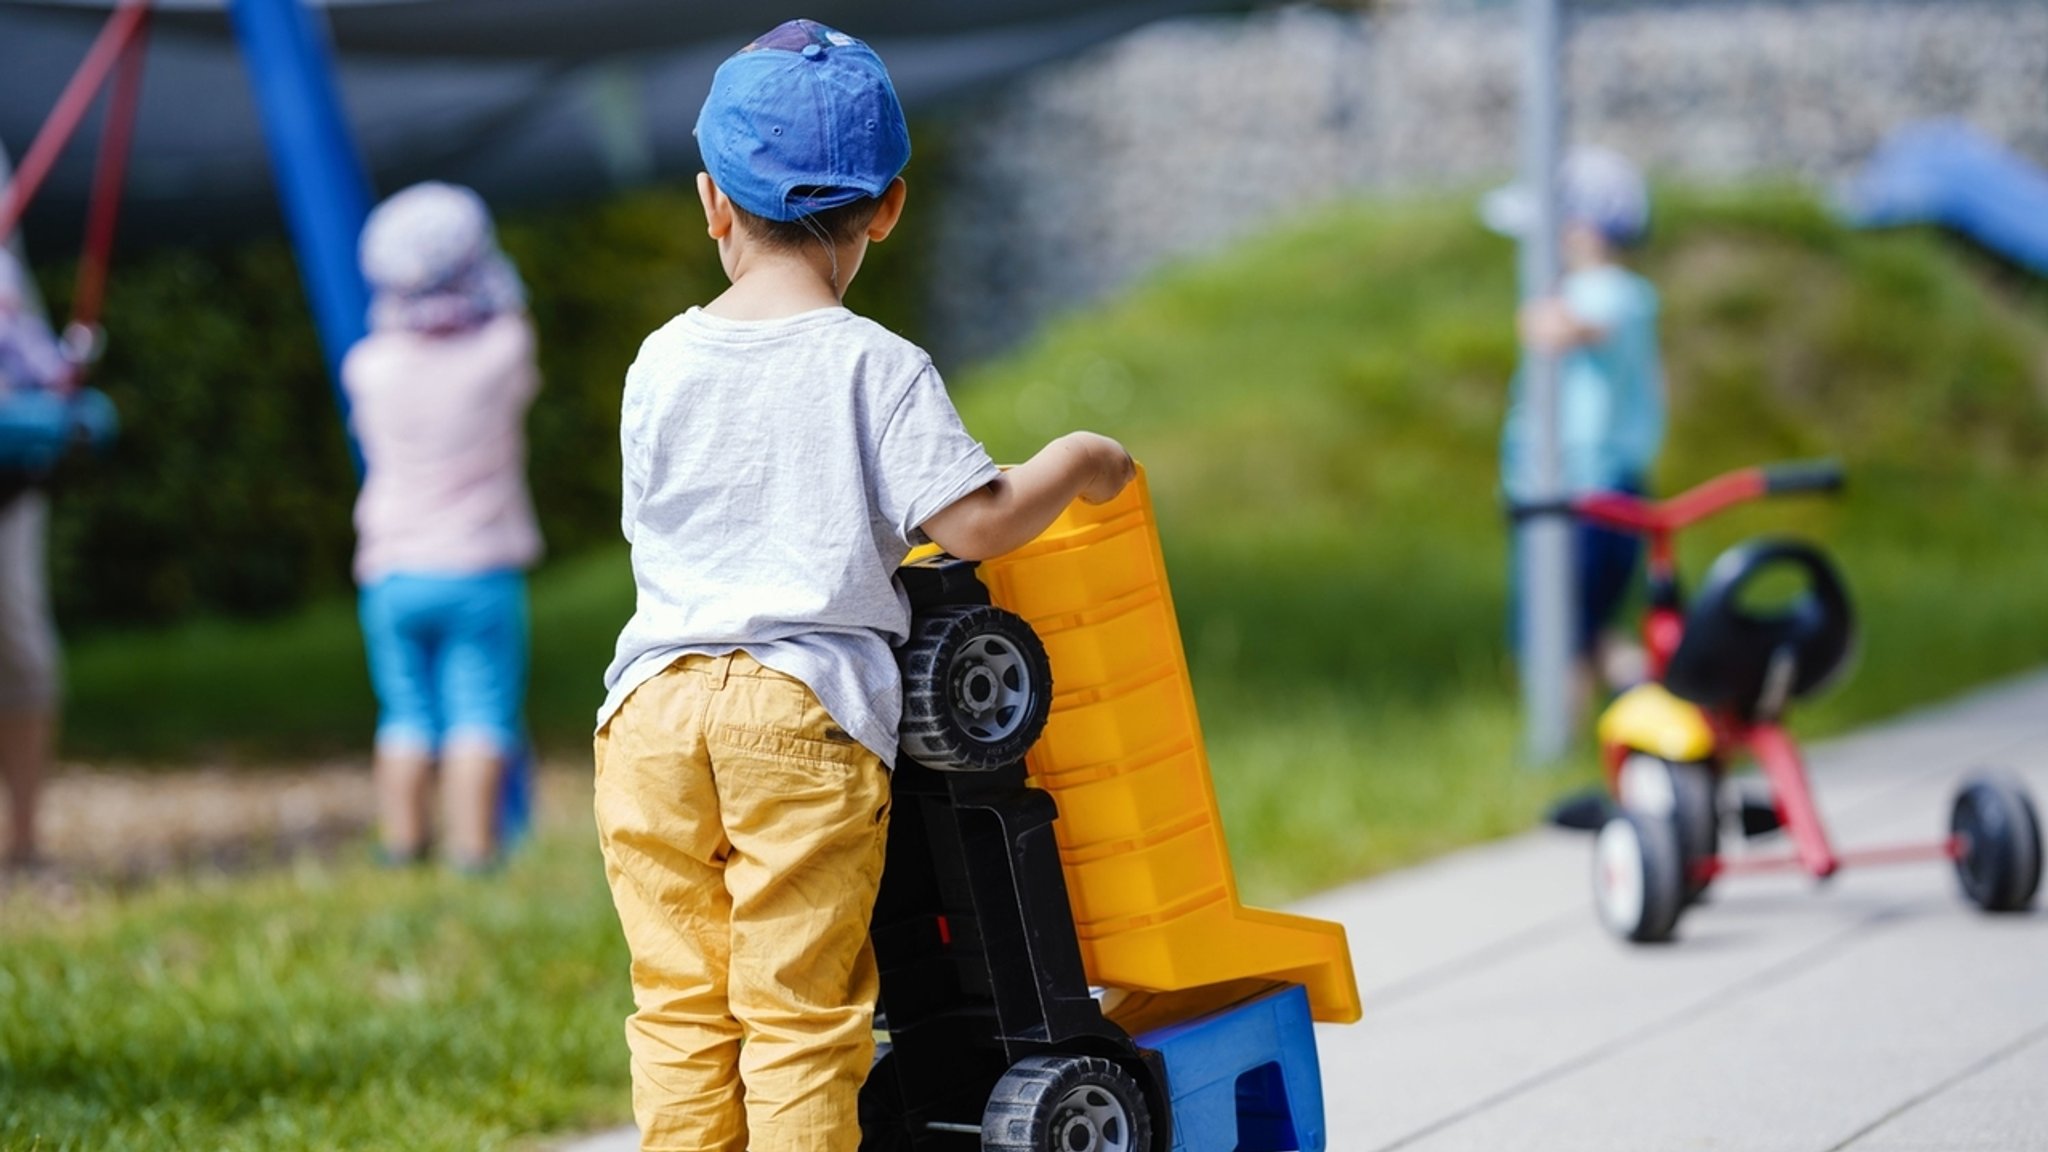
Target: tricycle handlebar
[1804,476]
[1625,513]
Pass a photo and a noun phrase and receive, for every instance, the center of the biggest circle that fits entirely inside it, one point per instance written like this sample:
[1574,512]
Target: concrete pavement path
[1876,1013]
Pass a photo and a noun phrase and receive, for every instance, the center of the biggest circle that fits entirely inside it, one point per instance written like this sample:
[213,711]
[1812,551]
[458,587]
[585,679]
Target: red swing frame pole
[106,53]
[105,213]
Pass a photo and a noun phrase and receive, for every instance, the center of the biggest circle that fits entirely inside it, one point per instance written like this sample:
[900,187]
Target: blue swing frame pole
[320,174]
[327,196]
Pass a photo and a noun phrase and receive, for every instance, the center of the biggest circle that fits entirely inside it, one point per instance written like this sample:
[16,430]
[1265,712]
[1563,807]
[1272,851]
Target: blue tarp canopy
[1947,173]
[525,99]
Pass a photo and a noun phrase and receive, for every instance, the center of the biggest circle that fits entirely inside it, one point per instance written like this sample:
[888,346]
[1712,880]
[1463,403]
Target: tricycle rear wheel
[1998,849]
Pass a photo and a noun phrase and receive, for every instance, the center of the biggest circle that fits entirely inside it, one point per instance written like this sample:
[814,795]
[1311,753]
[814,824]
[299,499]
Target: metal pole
[320,175]
[101,59]
[1546,577]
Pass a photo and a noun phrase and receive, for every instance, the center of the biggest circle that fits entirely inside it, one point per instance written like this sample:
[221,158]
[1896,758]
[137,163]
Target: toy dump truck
[1065,964]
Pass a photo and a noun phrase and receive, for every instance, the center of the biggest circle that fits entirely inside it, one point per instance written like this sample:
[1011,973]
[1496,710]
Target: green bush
[230,483]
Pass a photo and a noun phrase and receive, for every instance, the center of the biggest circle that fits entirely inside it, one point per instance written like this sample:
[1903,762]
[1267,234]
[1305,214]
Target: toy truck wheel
[1684,793]
[1066,1104]
[977,688]
[1998,856]
[883,1127]
[1638,883]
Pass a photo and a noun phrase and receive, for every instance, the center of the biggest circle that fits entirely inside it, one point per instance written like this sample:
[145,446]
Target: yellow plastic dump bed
[1155,902]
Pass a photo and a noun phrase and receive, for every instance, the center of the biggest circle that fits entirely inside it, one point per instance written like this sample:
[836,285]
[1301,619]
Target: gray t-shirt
[776,473]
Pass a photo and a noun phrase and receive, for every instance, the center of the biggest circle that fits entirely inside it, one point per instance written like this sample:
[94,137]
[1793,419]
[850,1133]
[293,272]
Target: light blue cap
[1597,187]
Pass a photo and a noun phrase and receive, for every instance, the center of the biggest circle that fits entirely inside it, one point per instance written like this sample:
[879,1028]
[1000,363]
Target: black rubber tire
[1697,820]
[1689,798]
[1999,863]
[961,658]
[1638,883]
[1066,1104]
[882,1124]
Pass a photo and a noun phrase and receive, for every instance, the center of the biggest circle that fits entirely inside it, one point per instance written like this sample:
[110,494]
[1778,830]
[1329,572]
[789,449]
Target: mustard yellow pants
[743,835]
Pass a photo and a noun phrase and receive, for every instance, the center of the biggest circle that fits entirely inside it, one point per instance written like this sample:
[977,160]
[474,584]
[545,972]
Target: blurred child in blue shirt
[1602,327]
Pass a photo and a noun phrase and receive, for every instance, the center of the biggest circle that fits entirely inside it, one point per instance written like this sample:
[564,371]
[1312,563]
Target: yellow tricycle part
[1148,871]
[1648,718]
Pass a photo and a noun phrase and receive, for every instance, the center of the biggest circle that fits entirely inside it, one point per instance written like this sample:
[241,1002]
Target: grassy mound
[1320,413]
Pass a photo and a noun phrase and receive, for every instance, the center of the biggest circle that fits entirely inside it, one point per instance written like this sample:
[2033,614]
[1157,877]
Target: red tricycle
[1772,623]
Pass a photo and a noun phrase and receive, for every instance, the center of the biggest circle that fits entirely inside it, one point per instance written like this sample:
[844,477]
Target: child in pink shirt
[444,526]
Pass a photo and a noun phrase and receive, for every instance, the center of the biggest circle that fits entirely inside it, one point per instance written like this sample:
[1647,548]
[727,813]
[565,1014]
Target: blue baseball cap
[802,120]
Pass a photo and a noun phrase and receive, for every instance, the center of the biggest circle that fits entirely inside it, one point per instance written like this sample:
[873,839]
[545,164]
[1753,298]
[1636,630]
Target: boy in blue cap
[781,456]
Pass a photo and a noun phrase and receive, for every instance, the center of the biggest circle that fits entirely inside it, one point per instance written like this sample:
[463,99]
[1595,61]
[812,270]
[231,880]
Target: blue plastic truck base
[1245,1079]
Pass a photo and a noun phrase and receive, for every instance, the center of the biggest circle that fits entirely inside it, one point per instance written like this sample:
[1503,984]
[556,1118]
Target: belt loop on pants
[720,671]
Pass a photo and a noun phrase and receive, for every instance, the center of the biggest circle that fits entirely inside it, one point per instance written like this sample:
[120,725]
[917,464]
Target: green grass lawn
[326,1007]
[1318,410]
[254,692]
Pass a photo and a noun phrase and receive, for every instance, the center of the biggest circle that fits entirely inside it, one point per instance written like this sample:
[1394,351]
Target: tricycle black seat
[1738,654]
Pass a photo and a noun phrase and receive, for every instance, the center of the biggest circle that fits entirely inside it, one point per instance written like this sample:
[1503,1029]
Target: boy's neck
[776,285]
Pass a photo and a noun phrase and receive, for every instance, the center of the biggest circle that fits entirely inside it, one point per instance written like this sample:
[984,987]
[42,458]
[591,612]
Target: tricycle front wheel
[1638,877]
[1687,793]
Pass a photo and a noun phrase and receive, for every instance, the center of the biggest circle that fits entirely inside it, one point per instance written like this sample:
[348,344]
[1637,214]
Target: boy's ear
[890,211]
[718,217]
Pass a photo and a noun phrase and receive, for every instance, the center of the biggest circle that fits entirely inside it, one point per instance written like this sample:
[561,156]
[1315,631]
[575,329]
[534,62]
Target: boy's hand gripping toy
[1723,670]
[1065,965]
